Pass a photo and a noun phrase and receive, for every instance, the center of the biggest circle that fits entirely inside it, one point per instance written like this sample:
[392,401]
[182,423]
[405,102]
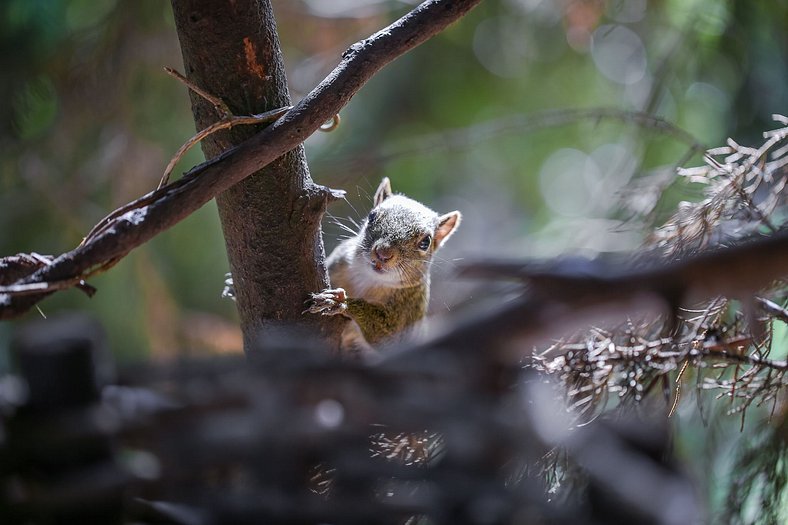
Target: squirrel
[381,279]
[381,276]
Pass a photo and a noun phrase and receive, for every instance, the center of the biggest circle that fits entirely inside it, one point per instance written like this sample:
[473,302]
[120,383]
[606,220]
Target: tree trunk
[270,220]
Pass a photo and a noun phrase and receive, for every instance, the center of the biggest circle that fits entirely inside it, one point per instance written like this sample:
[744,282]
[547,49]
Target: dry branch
[633,359]
[712,252]
[163,208]
[738,271]
[558,299]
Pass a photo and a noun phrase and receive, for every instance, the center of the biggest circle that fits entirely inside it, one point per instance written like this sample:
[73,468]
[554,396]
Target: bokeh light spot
[619,54]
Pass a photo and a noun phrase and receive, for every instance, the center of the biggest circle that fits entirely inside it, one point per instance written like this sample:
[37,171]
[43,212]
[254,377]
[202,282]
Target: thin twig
[226,123]
[331,125]
[228,120]
[676,400]
[721,351]
[773,308]
[218,103]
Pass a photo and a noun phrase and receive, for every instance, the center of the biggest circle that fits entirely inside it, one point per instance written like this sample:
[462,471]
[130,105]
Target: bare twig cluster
[724,342]
[744,190]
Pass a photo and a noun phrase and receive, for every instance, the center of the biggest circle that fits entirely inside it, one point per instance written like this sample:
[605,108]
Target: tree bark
[271,219]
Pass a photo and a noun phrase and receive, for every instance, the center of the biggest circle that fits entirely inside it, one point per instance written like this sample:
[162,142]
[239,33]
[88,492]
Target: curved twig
[226,123]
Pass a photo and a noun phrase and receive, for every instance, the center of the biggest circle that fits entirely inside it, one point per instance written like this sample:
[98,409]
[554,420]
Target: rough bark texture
[271,220]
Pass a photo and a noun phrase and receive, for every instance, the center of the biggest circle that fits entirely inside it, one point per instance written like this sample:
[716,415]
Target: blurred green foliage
[89,121]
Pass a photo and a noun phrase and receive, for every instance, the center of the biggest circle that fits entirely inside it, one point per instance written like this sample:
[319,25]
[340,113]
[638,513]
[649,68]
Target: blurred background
[525,116]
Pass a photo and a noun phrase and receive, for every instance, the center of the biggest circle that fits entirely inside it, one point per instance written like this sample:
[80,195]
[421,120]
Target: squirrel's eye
[424,244]
[371,216]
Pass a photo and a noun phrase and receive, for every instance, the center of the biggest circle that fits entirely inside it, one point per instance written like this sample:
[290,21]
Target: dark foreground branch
[225,441]
[736,272]
[161,209]
[558,295]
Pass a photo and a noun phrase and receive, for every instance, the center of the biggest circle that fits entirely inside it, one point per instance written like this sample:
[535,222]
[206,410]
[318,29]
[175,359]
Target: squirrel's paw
[327,302]
[229,287]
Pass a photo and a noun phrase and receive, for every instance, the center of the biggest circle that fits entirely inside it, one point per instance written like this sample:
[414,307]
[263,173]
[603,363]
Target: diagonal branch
[738,271]
[161,209]
[562,295]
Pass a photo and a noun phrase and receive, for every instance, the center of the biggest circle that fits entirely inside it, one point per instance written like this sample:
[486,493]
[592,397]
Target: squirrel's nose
[383,253]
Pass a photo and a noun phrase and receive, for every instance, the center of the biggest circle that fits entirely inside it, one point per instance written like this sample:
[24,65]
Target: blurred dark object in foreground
[232,441]
[58,459]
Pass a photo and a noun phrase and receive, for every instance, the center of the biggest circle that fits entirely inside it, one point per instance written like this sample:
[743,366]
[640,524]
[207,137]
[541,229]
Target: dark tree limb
[161,209]
[739,271]
[558,296]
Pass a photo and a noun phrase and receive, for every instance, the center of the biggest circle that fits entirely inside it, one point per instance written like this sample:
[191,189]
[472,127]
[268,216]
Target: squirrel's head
[400,236]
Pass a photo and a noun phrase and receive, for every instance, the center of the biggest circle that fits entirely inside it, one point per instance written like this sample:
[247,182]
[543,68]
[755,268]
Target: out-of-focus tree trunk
[271,220]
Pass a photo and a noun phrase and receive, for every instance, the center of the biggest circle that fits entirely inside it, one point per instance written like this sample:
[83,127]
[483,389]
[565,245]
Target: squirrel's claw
[229,287]
[327,302]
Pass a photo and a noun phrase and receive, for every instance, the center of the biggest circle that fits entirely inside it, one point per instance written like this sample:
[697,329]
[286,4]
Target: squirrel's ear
[447,224]
[383,192]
